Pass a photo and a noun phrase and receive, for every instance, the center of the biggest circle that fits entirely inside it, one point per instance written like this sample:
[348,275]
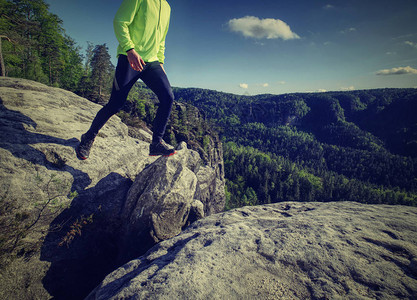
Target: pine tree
[101,73]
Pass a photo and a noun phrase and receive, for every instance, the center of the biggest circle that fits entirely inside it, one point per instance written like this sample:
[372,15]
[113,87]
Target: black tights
[125,77]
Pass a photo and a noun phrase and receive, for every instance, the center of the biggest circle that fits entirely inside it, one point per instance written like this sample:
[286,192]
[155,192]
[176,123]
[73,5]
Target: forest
[334,146]
[34,45]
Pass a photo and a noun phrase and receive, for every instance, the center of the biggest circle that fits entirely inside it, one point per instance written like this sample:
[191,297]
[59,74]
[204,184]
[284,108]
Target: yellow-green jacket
[143,25]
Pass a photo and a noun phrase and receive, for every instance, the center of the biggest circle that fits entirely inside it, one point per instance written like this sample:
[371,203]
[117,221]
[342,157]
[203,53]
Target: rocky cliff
[66,223]
[337,250]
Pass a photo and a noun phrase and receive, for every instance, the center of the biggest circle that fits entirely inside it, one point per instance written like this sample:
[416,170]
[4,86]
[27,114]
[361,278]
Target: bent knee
[167,97]
[113,108]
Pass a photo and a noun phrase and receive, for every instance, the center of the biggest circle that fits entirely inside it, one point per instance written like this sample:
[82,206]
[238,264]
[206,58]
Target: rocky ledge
[287,250]
[66,223]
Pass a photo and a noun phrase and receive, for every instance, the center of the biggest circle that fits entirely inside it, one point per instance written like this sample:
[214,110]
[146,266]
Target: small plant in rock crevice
[75,229]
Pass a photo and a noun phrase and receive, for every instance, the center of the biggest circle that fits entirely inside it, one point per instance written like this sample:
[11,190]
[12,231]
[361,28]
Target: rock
[210,190]
[158,203]
[196,212]
[75,243]
[339,250]
[210,176]
[40,122]
[140,134]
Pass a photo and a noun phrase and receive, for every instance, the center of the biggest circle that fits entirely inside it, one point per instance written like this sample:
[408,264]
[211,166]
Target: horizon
[242,47]
[306,92]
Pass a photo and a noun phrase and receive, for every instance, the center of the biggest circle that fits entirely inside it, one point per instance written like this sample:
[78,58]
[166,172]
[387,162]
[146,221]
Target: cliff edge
[67,223]
[289,250]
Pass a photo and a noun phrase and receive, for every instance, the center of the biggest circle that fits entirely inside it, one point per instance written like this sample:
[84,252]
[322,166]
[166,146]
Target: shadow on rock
[141,265]
[82,245]
[119,220]
[17,140]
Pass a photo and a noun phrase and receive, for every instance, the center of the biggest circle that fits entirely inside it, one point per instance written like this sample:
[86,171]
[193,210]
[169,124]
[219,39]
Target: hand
[135,61]
[162,66]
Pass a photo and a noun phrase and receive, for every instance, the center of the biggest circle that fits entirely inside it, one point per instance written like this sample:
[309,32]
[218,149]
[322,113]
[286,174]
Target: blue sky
[271,46]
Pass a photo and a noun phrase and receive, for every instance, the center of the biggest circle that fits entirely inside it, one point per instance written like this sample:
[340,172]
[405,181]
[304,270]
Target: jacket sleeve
[123,18]
[161,52]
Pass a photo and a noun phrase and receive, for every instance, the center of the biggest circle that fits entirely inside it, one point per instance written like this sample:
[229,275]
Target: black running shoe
[83,149]
[160,148]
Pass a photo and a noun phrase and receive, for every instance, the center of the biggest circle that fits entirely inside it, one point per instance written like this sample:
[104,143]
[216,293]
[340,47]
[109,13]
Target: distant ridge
[360,145]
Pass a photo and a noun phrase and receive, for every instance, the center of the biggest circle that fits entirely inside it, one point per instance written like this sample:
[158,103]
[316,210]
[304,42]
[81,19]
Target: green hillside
[357,145]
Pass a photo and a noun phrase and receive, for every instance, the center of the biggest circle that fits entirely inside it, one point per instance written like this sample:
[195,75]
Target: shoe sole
[163,155]
[79,156]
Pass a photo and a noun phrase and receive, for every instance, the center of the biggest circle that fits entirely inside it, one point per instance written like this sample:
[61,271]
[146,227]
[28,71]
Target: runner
[140,27]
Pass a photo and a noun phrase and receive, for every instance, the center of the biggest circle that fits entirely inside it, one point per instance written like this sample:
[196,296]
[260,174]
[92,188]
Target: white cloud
[328,6]
[317,91]
[351,29]
[281,82]
[397,71]
[244,85]
[401,37]
[263,84]
[349,88]
[254,27]
[414,45]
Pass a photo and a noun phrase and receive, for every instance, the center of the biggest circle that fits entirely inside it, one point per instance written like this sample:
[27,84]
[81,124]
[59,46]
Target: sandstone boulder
[339,250]
[158,203]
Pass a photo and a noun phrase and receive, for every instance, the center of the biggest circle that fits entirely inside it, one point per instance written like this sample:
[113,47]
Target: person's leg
[124,78]
[156,79]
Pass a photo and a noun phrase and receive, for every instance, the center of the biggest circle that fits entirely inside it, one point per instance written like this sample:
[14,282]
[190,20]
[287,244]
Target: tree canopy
[36,47]
[356,145]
